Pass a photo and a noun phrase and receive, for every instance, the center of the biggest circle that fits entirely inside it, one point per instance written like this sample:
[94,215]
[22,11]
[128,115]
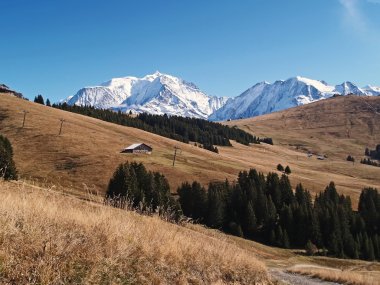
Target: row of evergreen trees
[7,166]
[265,209]
[40,100]
[175,127]
[374,153]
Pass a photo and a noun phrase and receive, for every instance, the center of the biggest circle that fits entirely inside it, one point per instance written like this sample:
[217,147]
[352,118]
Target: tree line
[182,129]
[372,154]
[265,209]
[261,208]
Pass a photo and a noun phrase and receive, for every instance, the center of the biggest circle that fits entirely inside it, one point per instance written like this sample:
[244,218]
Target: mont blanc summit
[157,93]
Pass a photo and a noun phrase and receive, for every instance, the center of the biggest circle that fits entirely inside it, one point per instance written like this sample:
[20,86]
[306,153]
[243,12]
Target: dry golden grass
[50,238]
[88,151]
[339,276]
[336,127]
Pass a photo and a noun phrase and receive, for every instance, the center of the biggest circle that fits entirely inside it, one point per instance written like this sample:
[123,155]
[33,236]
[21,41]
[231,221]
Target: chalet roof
[133,146]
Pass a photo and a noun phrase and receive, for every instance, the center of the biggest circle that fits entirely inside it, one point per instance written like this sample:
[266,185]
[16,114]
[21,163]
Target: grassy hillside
[56,238]
[336,127]
[84,157]
[50,238]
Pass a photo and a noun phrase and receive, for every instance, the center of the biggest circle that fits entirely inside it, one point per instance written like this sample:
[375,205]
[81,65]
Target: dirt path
[297,279]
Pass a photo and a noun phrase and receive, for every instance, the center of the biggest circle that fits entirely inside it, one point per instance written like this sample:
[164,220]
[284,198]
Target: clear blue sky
[53,47]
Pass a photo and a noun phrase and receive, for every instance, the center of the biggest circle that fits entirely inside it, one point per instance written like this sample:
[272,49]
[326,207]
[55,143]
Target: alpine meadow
[201,142]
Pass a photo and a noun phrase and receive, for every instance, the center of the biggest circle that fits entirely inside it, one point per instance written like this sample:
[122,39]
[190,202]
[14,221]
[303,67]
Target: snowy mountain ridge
[265,97]
[160,93]
[155,93]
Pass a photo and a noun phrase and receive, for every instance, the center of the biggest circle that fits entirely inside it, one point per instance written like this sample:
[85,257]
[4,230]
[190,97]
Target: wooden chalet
[138,148]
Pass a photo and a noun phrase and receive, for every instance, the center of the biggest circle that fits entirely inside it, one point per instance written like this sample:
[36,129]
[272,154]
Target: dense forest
[265,209]
[261,208]
[178,128]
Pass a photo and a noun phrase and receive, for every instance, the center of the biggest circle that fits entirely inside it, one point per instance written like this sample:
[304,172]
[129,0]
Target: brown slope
[87,153]
[335,127]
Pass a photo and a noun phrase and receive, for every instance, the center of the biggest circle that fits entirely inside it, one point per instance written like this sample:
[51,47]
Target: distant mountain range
[165,94]
[156,94]
[264,97]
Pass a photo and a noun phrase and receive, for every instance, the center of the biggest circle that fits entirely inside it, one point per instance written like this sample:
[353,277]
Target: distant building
[138,148]
[321,157]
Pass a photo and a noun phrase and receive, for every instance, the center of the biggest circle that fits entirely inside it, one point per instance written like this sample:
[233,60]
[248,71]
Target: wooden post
[175,154]
[23,121]
[60,129]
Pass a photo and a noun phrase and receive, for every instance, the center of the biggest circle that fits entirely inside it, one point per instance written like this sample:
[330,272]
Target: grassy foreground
[50,238]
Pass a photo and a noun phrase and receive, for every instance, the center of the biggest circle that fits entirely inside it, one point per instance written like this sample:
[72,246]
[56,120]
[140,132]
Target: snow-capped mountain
[265,98]
[156,94]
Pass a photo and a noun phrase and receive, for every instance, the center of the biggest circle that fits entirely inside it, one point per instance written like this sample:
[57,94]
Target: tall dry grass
[49,238]
[334,275]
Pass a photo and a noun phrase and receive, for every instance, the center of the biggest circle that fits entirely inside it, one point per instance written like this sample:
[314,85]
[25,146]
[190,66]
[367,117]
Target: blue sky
[53,47]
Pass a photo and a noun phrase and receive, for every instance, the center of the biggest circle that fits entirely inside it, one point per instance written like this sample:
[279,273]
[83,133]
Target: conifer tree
[7,165]
[216,209]
[250,222]
[285,241]
[287,170]
[39,99]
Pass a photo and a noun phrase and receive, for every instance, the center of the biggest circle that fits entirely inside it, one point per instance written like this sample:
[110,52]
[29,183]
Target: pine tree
[285,241]
[7,166]
[286,190]
[287,170]
[250,222]
[280,168]
[48,103]
[216,205]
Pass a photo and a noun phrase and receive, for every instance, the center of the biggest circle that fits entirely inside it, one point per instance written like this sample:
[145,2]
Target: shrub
[280,167]
[287,170]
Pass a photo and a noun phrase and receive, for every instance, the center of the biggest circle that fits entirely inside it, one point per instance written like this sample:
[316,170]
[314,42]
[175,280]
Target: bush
[287,170]
[280,167]
[311,248]
[7,166]
[350,158]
